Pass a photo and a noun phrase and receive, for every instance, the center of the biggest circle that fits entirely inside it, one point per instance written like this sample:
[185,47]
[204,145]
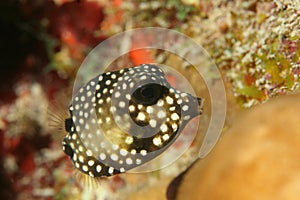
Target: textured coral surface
[254,43]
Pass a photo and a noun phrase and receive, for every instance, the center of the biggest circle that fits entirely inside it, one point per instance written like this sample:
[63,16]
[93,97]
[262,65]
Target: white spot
[164,128]
[186,117]
[74,136]
[98,168]
[113,76]
[114,157]
[123,152]
[113,109]
[124,86]
[122,104]
[133,152]
[161,114]
[105,90]
[91,162]
[81,159]
[152,123]
[144,77]
[108,82]
[157,141]
[75,157]
[77,165]
[175,116]
[77,107]
[160,102]
[102,156]
[169,100]
[107,119]
[100,78]
[72,145]
[174,126]
[140,106]
[89,153]
[131,84]
[111,170]
[115,147]
[91,174]
[92,83]
[149,109]
[81,121]
[129,140]
[89,93]
[185,107]
[143,152]
[141,116]
[129,161]
[128,96]
[122,169]
[165,137]
[179,101]
[138,161]
[131,108]
[100,101]
[107,99]
[98,87]
[80,148]
[117,94]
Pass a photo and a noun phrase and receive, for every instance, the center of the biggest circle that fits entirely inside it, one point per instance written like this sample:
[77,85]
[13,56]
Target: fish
[120,120]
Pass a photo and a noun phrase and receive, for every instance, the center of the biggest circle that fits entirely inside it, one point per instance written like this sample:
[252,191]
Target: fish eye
[148,94]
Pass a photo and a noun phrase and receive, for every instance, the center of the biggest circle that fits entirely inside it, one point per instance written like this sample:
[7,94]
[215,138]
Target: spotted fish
[122,119]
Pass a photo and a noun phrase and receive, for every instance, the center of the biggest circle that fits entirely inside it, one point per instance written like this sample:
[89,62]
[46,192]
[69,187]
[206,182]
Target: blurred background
[254,43]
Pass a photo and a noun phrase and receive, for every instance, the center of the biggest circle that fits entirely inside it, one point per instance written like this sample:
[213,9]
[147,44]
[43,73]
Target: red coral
[75,23]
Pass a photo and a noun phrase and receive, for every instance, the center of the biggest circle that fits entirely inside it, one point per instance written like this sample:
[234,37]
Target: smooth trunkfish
[122,119]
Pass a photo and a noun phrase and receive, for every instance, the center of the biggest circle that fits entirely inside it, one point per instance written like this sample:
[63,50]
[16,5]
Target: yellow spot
[157,141]
[129,140]
[165,137]
[175,116]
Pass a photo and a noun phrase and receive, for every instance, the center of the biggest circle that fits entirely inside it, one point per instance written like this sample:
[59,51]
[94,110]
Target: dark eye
[148,94]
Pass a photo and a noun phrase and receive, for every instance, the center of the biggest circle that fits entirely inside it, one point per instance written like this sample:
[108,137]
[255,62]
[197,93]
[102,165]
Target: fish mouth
[200,105]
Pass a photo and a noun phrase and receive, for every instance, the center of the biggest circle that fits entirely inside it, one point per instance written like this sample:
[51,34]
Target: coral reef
[254,43]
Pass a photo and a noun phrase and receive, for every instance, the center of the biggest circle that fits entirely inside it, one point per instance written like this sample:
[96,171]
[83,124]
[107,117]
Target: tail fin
[87,181]
[57,114]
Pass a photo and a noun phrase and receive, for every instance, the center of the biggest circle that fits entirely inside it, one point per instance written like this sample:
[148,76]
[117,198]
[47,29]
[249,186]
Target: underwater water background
[255,45]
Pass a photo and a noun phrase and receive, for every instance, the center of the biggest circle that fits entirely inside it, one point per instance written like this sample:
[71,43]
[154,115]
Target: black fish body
[122,119]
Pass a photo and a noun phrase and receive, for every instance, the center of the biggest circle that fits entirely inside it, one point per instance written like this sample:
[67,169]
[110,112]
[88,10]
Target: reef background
[254,43]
